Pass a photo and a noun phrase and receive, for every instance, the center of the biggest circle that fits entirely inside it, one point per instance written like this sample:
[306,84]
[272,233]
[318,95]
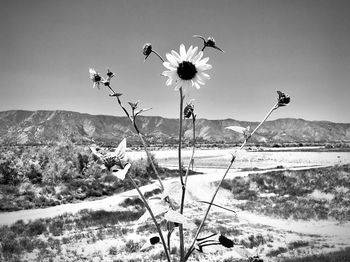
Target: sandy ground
[324,235]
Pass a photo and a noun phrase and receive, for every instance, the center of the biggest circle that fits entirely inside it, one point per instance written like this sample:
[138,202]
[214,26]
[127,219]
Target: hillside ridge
[50,126]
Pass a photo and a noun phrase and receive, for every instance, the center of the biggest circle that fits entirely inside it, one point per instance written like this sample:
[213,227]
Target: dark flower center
[97,78]
[186,70]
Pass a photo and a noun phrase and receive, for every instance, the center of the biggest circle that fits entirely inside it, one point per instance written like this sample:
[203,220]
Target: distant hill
[43,127]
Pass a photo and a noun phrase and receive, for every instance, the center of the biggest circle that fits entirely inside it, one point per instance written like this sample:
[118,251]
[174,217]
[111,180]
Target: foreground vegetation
[338,256]
[321,193]
[33,177]
[116,236]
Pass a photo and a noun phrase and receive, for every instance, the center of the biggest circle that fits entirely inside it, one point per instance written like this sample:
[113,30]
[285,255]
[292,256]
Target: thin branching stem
[190,250]
[147,152]
[161,58]
[153,217]
[181,232]
[133,121]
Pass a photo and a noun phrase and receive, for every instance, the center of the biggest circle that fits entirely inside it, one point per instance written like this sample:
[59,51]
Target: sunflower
[187,68]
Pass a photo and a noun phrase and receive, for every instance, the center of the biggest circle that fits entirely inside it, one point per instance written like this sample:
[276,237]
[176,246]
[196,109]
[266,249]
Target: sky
[301,47]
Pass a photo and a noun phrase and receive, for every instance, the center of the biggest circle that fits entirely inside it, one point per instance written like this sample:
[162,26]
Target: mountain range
[45,127]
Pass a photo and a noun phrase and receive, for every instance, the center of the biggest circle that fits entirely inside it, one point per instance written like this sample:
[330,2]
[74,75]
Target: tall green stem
[189,164]
[181,231]
[190,250]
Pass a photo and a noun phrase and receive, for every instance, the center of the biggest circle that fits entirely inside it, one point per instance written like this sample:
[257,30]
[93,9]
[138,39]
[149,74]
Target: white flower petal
[169,66]
[199,80]
[197,85]
[176,55]
[172,60]
[193,53]
[188,53]
[204,67]
[197,57]
[169,81]
[183,52]
[205,75]
[203,61]
[202,76]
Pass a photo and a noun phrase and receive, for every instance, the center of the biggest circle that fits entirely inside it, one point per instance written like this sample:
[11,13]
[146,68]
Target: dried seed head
[283,99]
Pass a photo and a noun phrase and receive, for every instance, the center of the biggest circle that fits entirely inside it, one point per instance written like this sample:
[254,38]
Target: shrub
[276,252]
[131,246]
[10,244]
[56,228]
[36,228]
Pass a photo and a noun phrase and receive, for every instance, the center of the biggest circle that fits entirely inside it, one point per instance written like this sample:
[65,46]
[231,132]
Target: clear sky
[301,47]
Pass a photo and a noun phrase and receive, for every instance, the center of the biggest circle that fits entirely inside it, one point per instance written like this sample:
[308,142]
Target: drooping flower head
[210,42]
[147,50]
[186,68]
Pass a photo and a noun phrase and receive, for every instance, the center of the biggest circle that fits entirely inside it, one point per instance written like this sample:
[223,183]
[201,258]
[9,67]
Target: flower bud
[211,42]
[110,74]
[133,105]
[147,49]
[188,111]
[283,99]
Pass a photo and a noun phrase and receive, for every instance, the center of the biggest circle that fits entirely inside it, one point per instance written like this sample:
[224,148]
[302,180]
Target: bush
[10,244]
[132,247]
[36,228]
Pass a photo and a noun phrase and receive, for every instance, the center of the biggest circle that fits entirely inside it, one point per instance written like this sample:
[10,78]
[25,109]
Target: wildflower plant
[184,70]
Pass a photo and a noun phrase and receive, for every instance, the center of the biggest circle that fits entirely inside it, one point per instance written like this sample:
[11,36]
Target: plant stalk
[161,58]
[132,119]
[181,231]
[190,250]
[193,147]
[153,217]
[188,167]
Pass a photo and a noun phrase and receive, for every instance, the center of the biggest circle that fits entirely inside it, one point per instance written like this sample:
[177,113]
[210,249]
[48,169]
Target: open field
[218,158]
[106,229]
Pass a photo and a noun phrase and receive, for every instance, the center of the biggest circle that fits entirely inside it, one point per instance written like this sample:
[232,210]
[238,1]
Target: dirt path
[111,203]
[200,188]
[330,230]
